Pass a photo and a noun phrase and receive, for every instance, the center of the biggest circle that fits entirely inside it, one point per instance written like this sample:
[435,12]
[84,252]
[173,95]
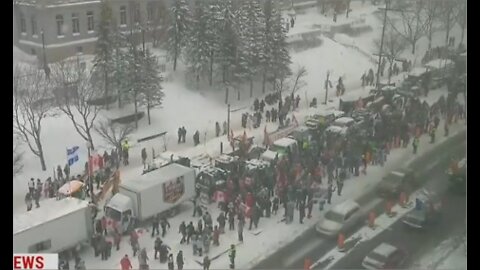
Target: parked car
[396,182]
[341,217]
[385,256]
[427,211]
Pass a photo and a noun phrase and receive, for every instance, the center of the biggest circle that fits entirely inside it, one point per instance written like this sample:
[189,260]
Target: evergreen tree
[151,93]
[251,50]
[280,57]
[178,30]
[103,61]
[133,75]
[270,13]
[120,62]
[228,39]
[202,40]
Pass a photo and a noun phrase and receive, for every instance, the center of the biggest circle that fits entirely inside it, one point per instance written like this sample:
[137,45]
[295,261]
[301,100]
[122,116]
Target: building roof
[345,207]
[152,178]
[344,120]
[50,209]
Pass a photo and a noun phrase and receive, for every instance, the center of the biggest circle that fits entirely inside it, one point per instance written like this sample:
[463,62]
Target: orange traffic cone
[307,264]
[371,220]
[341,241]
[388,209]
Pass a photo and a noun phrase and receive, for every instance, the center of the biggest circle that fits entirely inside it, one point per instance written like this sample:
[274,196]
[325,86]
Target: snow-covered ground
[199,110]
[451,254]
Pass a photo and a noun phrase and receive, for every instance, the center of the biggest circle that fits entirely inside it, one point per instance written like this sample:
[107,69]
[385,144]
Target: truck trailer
[56,226]
[158,192]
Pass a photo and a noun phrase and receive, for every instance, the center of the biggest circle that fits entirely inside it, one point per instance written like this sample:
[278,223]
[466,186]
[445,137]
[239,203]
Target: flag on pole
[72,155]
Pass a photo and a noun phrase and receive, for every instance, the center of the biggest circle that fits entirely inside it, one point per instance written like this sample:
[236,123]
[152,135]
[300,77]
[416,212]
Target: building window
[40,246]
[136,14]
[75,24]
[33,20]
[59,20]
[90,23]
[23,24]
[123,15]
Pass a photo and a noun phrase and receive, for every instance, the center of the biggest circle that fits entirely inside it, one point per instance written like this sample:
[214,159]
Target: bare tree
[75,90]
[448,12]
[298,81]
[17,159]
[32,103]
[431,12]
[412,24]
[392,48]
[462,18]
[114,134]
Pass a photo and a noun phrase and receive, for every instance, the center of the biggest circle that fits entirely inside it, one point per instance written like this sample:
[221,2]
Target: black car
[396,182]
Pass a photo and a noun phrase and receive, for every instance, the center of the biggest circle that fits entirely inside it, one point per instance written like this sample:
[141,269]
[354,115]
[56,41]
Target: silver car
[341,217]
[385,256]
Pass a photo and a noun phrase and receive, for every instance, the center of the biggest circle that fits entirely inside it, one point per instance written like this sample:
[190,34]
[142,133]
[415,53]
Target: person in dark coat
[183,230]
[221,222]
[117,238]
[155,226]
[256,104]
[28,201]
[216,236]
[200,226]
[102,247]
[262,105]
[164,223]
[330,191]
[310,206]
[37,194]
[231,220]
[275,204]
[156,246]
[184,134]
[241,223]
[206,263]
[340,185]
[180,261]
[190,232]
[301,209]
[267,116]
[196,138]
[231,255]
[108,249]
[217,129]
[171,265]
[268,208]
[66,171]
[163,253]
[180,134]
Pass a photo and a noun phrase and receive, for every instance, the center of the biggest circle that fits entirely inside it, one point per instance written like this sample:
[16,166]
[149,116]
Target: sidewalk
[267,241]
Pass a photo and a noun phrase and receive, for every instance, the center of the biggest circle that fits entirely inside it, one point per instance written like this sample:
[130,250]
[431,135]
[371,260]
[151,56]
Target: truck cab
[281,148]
[119,213]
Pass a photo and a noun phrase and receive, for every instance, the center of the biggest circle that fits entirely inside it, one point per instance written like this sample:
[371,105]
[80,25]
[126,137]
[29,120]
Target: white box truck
[157,192]
[54,227]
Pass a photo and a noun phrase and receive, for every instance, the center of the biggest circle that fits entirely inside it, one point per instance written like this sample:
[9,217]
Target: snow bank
[345,39]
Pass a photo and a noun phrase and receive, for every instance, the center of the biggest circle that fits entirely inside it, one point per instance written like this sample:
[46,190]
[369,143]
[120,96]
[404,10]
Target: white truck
[158,192]
[280,147]
[56,226]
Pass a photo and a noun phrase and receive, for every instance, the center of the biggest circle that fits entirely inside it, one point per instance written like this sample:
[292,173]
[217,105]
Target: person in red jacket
[125,263]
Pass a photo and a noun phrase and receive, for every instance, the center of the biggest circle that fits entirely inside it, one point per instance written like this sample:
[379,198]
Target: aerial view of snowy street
[239,134]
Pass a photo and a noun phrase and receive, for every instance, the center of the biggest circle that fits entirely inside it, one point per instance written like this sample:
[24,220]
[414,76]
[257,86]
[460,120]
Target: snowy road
[314,246]
[417,243]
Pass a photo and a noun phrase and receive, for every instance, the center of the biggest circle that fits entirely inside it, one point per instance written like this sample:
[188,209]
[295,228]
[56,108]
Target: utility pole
[381,44]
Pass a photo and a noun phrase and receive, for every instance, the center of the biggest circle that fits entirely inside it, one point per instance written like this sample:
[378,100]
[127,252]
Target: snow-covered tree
[228,40]
[151,93]
[412,22]
[280,55]
[134,75]
[202,40]
[431,13]
[121,64]
[103,62]
[32,103]
[252,34]
[178,31]
[76,92]
[462,18]
[448,12]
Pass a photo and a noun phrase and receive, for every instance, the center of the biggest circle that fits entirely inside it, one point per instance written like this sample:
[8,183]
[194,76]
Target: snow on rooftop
[50,209]
[384,249]
[344,121]
[284,142]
